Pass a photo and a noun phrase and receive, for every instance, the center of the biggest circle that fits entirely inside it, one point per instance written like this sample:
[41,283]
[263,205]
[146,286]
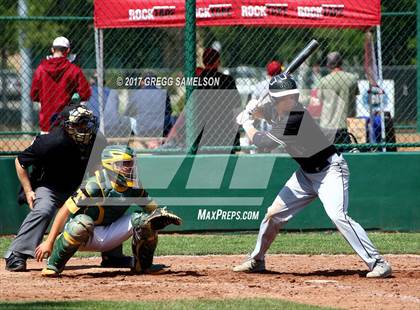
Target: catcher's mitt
[160,218]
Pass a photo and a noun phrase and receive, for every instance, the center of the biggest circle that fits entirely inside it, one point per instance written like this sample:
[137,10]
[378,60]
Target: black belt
[318,167]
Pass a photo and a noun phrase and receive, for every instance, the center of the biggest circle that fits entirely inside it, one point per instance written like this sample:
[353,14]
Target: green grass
[258,303]
[287,243]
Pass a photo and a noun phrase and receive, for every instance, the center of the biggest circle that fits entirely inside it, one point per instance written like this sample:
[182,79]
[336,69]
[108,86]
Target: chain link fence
[145,95]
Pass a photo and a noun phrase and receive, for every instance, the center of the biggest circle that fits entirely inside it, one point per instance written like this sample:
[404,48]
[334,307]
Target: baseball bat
[301,57]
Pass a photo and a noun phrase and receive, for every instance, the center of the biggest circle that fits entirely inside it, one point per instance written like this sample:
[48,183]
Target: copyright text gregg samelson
[167,81]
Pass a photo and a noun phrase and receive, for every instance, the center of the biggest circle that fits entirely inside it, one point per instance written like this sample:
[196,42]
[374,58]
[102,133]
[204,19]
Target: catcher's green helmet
[120,163]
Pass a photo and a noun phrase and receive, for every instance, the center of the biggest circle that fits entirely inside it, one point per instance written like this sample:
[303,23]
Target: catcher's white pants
[105,238]
[331,186]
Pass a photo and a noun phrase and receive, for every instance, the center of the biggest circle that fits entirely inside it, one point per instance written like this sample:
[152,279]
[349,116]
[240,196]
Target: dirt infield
[336,281]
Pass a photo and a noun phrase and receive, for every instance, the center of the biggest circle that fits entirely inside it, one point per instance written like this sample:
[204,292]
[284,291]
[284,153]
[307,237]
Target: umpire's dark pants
[33,228]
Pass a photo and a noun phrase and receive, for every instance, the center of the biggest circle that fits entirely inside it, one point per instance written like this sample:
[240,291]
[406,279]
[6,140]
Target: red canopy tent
[270,13]
[360,14]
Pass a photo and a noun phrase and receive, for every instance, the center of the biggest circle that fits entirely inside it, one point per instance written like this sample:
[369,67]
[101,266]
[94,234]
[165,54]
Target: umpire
[59,160]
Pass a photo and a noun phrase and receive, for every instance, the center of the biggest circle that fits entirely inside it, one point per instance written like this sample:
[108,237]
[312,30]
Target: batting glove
[252,106]
[245,119]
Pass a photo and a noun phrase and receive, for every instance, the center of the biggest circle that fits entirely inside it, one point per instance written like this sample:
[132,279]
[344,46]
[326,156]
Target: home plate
[320,281]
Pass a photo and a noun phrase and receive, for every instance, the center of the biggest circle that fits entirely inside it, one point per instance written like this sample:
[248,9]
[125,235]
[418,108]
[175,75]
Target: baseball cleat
[49,273]
[381,270]
[15,263]
[153,269]
[156,269]
[250,265]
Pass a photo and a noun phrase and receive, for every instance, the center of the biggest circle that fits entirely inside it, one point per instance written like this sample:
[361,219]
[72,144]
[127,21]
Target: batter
[323,173]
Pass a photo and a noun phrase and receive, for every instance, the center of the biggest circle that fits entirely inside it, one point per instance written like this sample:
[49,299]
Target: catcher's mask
[81,125]
[282,90]
[121,165]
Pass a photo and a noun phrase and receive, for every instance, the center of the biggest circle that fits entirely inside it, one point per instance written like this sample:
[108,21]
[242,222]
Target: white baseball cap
[62,42]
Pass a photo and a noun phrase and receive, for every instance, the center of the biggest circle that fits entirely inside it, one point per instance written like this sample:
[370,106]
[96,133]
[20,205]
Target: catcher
[98,220]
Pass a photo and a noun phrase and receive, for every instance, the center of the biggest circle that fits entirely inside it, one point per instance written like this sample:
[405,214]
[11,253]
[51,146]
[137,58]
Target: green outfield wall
[220,192]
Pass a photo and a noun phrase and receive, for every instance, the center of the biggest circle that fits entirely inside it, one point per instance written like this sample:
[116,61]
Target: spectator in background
[150,109]
[115,124]
[215,110]
[212,62]
[261,89]
[337,91]
[55,81]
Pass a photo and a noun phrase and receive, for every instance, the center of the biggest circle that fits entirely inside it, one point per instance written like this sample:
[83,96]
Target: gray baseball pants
[331,186]
[33,228]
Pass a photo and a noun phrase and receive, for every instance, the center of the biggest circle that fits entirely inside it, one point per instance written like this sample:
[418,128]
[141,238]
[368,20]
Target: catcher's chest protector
[99,186]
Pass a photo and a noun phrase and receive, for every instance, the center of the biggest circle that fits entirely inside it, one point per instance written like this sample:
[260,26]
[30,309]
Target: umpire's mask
[81,125]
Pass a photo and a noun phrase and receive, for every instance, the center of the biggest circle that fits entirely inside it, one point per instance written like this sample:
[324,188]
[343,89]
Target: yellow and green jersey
[98,199]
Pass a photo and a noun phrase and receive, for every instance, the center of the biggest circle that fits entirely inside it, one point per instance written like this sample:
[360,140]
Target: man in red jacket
[55,81]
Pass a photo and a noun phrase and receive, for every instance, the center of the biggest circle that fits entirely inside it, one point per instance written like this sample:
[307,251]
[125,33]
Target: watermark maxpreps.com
[227,215]
[167,81]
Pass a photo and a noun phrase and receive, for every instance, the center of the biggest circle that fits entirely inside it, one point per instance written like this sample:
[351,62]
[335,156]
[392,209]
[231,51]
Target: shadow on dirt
[319,273]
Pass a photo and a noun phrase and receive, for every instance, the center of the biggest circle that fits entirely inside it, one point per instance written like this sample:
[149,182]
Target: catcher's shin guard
[63,250]
[144,244]
[76,232]
[145,237]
